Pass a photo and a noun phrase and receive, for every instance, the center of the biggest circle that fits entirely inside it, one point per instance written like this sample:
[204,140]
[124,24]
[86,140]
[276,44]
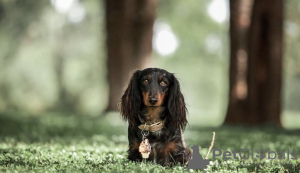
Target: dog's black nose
[153,101]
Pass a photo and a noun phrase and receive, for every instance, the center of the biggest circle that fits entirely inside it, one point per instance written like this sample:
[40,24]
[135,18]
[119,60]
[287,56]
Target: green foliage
[33,36]
[203,73]
[291,54]
[34,39]
[55,143]
[15,18]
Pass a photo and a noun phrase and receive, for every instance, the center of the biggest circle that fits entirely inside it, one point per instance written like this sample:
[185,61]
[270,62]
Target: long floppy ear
[176,104]
[131,100]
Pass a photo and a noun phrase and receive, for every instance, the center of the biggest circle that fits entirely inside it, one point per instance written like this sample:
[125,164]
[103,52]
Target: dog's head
[153,87]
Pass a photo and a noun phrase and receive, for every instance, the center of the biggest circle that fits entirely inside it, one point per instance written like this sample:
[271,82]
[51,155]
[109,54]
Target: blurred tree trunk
[129,25]
[240,20]
[255,62]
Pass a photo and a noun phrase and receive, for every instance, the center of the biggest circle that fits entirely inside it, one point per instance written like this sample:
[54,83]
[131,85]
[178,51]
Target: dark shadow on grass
[44,128]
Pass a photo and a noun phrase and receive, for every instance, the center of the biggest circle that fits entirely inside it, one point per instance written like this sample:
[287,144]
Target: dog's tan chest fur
[152,114]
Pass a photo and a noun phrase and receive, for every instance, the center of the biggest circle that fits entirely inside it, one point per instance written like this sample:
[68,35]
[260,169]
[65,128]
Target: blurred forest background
[53,57]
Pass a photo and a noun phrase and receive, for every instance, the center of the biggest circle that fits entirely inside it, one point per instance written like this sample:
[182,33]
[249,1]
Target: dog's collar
[152,127]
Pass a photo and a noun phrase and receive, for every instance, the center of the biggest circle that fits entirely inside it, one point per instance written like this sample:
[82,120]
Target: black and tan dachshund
[155,109]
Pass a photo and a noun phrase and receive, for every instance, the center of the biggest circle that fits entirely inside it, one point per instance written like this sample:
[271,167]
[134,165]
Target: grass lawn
[54,143]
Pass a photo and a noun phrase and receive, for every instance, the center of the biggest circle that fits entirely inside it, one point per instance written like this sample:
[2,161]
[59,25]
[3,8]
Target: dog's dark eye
[162,83]
[145,82]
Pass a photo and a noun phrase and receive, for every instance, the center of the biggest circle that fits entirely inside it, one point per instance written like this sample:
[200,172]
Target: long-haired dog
[155,109]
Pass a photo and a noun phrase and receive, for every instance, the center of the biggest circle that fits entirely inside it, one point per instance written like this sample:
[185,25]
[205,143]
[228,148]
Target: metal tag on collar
[145,133]
[145,148]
